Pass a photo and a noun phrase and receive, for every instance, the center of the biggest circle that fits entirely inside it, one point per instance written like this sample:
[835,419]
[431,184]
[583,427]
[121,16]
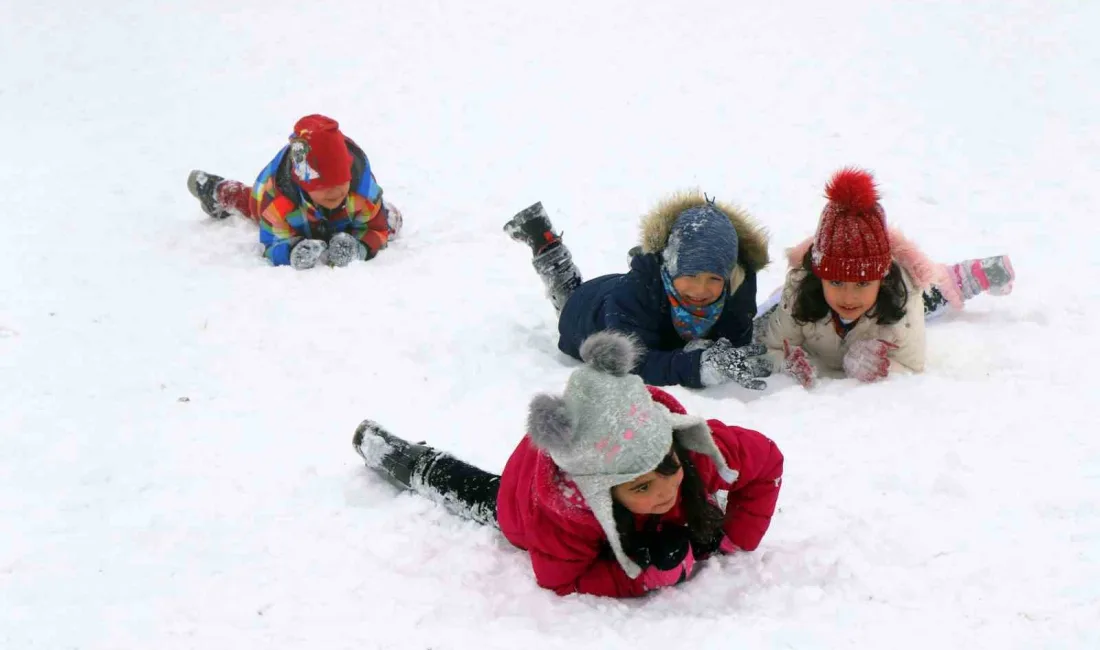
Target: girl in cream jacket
[858,293]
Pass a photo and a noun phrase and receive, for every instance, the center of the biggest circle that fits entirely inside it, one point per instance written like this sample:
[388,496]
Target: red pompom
[852,189]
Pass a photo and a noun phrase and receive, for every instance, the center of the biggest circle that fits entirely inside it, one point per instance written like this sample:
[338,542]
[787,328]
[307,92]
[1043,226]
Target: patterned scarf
[691,322]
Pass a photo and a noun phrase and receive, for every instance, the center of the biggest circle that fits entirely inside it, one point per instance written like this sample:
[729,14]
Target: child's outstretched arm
[586,573]
[780,326]
[909,337]
[753,495]
[369,224]
[568,564]
[658,367]
[276,234]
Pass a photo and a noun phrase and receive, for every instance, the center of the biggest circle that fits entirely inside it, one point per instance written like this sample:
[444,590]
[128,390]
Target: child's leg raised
[221,198]
[552,260]
[967,279]
[236,197]
[466,490]
[992,274]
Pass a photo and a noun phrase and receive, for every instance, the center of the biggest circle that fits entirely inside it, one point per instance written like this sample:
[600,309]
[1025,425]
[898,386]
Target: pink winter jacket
[567,544]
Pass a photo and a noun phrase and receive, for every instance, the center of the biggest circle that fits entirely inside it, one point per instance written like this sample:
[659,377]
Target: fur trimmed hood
[657,224]
[924,272]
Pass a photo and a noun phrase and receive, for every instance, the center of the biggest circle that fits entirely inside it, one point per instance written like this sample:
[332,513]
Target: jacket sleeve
[780,325]
[276,234]
[908,335]
[595,575]
[659,367]
[370,224]
[753,495]
[568,560]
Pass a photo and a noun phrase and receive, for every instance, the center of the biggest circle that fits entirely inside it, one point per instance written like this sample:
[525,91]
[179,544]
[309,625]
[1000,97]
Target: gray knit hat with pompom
[606,429]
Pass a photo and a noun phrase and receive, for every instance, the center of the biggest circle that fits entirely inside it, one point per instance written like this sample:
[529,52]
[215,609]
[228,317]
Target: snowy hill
[175,416]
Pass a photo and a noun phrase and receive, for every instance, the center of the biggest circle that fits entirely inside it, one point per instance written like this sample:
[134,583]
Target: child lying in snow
[858,293]
[689,297]
[317,201]
[612,490]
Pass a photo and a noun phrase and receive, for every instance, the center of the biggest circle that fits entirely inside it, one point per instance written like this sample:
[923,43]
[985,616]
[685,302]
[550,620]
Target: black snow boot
[203,187]
[532,227]
[394,458]
[559,274]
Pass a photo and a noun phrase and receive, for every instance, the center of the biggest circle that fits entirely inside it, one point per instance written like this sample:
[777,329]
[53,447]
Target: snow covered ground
[175,416]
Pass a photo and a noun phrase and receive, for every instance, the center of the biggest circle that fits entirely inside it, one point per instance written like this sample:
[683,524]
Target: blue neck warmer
[691,322]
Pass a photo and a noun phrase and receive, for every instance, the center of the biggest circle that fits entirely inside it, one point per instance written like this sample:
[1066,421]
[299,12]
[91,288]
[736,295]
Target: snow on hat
[319,155]
[702,240]
[851,243]
[606,429]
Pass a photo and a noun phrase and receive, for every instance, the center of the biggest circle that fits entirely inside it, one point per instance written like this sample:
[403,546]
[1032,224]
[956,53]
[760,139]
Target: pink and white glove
[665,555]
[726,546]
[656,577]
[797,365]
[868,360]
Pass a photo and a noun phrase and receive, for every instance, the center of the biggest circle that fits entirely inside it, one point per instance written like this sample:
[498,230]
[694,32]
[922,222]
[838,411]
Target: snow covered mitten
[867,360]
[307,253]
[532,226]
[394,459]
[204,187]
[666,556]
[992,274]
[722,362]
[797,365]
[343,248]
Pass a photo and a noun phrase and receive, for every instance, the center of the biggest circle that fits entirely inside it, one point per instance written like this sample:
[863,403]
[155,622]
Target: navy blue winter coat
[636,302]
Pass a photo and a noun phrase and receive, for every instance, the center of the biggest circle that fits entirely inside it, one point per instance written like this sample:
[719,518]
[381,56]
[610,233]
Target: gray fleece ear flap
[693,433]
[548,423]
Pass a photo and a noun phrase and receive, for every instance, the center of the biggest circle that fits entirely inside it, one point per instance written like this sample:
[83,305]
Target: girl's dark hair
[809,297]
[704,519]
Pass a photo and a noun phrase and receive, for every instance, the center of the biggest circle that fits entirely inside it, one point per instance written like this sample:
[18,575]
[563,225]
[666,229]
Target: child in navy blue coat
[689,297]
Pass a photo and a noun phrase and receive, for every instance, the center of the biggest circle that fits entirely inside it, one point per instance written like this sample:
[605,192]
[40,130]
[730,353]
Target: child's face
[699,290]
[851,299]
[649,494]
[330,198]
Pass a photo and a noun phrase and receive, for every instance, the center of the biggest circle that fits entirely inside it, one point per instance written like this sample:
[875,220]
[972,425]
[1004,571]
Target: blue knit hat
[702,241]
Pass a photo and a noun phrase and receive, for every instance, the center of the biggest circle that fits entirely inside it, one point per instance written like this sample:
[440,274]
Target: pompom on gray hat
[606,429]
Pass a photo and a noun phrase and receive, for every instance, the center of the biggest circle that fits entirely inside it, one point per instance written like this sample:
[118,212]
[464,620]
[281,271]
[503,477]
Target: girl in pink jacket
[612,491]
[858,293]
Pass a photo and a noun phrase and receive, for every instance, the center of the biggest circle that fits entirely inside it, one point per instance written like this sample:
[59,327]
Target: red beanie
[851,244]
[319,155]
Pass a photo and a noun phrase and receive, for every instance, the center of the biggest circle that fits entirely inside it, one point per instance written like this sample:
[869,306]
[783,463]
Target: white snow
[957,509]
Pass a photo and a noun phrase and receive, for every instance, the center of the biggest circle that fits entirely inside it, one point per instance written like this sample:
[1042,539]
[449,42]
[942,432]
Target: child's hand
[665,555]
[797,365]
[867,360]
[307,253]
[722,362]
[343,248]
[720,544]
[665,548]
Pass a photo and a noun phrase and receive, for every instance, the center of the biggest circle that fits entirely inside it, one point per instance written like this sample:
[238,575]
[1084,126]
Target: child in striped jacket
[316,202]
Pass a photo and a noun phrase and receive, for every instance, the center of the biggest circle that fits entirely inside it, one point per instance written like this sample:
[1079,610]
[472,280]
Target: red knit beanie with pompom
[851,243]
